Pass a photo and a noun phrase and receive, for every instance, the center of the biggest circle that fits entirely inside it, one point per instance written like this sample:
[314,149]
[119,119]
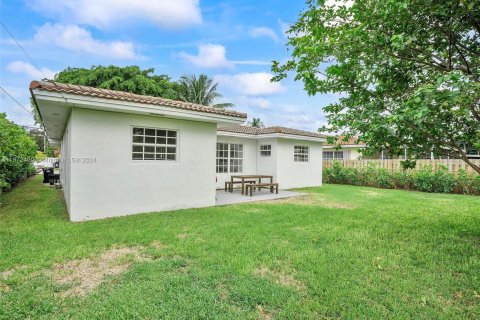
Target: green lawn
[342,252]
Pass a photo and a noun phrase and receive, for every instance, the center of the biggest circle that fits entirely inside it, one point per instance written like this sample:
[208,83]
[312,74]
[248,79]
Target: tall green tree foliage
[407,71]
[130,79]
[256,122]
[17,152]
[201,90]
[38,135]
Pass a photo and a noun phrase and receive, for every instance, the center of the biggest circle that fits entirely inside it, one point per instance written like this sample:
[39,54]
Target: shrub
[31,171]
[443,180]
[425,179]
[384,179]
[476,184]
[336,174]
[464,183]
[402,179]
[17,151]
[39,156]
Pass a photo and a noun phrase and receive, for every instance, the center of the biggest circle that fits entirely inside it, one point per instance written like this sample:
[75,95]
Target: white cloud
[106,14]
[336,4]
[75,38]
[298,116]
[209,56]
[252,62]
[215,56]
[261,103]
[251,84]
[31,71]
[284,27]
[264,32]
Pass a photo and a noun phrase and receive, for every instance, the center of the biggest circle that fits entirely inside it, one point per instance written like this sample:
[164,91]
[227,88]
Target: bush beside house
[426,180]
[17,152]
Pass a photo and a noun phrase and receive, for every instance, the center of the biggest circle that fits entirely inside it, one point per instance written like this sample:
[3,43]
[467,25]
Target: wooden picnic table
[249,176]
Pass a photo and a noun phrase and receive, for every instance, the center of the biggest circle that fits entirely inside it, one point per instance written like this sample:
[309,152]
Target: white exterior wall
[268,165]
[65,164]
[280,164]
[291,174]
[114,185]
[354,154]
[249,158]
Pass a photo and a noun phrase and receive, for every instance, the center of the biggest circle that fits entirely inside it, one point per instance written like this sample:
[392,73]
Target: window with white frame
[266,150]
[222,157]
[300,154]
[154,144]
[332,155]
[229,157]
[236,158]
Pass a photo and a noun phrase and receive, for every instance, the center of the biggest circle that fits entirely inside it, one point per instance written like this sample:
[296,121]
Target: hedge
[426,180]
[17,152]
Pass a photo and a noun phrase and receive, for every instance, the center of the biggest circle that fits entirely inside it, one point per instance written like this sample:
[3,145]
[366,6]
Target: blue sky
[231,41]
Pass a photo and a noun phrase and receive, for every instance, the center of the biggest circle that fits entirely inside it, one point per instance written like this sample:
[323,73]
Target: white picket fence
[394,164]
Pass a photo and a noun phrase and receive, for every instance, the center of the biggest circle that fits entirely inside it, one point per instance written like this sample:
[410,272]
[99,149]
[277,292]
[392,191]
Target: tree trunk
[471,164]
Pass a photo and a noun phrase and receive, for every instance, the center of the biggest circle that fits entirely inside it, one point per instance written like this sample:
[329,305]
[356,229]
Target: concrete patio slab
[225,198]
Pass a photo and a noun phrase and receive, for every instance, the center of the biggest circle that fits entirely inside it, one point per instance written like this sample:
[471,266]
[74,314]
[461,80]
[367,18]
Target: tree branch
[433,65]
[463,58]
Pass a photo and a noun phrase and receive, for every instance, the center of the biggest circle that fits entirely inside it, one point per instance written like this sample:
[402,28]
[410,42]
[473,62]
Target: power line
[21,48]
[8,94]
[32,61]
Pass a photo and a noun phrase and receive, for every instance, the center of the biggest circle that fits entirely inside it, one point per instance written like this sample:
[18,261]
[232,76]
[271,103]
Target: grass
[342,252]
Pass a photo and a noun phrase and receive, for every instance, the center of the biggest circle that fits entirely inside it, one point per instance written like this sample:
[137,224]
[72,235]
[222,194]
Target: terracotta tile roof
[270,130]
[127,96]
[351,140]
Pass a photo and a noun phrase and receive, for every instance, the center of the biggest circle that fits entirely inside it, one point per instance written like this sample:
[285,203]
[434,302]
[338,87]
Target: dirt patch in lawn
[280,278]
[157,244]
[255,210]
[263,314]
[84,275]
[223,292]
[371,193]
[4,275]
[311,200]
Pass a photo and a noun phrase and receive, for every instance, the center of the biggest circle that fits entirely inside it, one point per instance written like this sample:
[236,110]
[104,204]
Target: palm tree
[201,90]
[256,122]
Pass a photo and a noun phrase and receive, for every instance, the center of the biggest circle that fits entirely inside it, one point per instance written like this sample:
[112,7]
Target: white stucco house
[123,153]
[344,150]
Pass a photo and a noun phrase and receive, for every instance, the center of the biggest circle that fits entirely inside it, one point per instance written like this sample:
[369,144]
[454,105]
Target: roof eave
[270,135]
[96,103]
[346,146]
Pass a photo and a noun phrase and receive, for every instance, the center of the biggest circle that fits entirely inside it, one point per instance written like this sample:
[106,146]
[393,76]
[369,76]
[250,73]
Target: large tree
[201,90]
[17,151]
[38,135]
[256,122]
[407,71]
[131,79]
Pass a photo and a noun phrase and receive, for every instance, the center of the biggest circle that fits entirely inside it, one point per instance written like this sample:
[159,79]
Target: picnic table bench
[252,187]
[247,177]
[229,184]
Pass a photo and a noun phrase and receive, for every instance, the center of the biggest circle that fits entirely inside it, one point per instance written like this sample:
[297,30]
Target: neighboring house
[344,150]
[352,150]
[474,154]
[123,153]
